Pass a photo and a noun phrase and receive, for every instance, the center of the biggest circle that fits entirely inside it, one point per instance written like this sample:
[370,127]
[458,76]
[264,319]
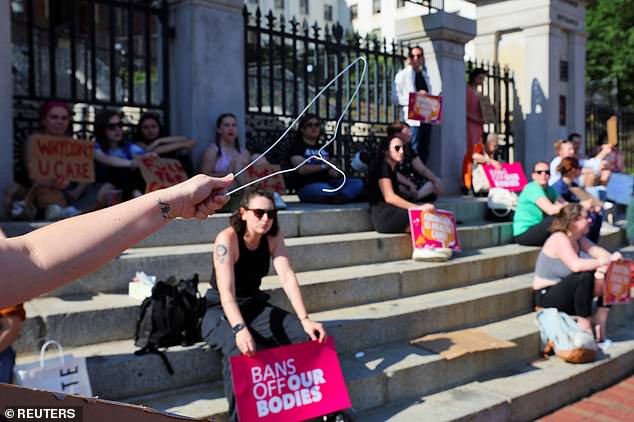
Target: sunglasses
[416,55]
[259,213]
[543,172]
[113,126]
[397,148]
[312,124]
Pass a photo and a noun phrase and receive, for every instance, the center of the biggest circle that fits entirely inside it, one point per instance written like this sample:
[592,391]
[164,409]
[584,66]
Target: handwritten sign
[618,280]
[273,184]
[433,229]
[510,176]
[426,108]
[60,159]
[289,383]
[160,173]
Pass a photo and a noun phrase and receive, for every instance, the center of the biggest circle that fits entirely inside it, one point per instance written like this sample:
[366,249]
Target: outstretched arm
[61,252]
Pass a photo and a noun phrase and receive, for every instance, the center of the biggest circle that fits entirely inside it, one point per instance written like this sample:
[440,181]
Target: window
[354,11]
[327,12]
[376,6]
[562,110]
[400,3]
[279,4]
[563,71]
[303,7]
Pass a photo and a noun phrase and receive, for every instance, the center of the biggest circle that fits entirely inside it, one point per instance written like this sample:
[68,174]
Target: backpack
[561,334]
[171,316]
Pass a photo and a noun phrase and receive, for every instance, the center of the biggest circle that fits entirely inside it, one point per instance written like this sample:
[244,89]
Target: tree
[610,47]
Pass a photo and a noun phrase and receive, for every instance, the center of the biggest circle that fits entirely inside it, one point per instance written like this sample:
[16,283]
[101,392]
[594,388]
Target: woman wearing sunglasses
[312,178]
[388,210]
[239,318]
[115,156]
[536,207]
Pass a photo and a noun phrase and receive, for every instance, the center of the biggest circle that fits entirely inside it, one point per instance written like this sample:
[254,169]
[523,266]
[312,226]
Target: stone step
[391,373]
[306,253]
[522,393]
[87,319]
[301,219]
[117,373]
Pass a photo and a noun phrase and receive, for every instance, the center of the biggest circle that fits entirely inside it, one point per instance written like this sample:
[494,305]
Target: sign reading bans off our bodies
[289,383]
[60,159]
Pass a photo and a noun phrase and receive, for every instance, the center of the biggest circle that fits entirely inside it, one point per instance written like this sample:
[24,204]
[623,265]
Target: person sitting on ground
[568,282]
[563,148]
[150,135]
[226,155]
[570,170]
[314,176]
[239,318]
[536,207]
[416,181]
[51,256]
[57,199]
[388,210]
[590,166]
[115,156]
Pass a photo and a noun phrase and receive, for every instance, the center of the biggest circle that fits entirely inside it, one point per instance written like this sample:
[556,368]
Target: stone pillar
[6,102]
[206,67]
[577,87]
[446,36]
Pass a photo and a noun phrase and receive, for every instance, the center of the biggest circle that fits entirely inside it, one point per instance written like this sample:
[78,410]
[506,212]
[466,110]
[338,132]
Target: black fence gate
[91,54]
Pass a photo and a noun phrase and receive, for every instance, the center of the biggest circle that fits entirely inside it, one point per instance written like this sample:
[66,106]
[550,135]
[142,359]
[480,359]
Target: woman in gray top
[567,281]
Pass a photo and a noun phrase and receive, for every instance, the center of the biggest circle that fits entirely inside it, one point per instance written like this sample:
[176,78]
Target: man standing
[414,78]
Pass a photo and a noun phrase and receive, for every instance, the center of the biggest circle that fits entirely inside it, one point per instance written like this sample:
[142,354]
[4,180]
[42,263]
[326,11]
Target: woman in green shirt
[536,207]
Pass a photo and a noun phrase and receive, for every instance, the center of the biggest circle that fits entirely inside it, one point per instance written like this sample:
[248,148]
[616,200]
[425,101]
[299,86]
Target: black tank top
[249,269]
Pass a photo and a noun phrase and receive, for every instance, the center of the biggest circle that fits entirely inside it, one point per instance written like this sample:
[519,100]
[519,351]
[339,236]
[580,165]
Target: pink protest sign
[433,229]
[618,282]
[289,383]
[426,108]
[510,176]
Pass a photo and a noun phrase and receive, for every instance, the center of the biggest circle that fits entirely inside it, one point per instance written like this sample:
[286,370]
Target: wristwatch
[237,328]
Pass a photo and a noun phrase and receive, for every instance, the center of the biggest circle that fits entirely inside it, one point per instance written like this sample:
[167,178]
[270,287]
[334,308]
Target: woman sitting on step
[239,318]
[567,281]
[388,210]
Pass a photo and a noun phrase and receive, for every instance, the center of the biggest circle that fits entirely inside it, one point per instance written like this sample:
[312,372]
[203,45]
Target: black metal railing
[499,87]
[431,5]
[287,62]
[91,54]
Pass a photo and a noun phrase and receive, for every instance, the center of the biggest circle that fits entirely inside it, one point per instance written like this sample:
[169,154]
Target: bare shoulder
[227,237]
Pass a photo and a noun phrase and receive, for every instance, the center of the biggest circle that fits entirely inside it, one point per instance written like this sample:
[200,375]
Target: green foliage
[610,47]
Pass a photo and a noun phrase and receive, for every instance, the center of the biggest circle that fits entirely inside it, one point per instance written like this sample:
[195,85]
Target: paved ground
[613,404]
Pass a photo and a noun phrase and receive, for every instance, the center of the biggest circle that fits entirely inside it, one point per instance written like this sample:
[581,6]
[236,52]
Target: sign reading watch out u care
[289,383]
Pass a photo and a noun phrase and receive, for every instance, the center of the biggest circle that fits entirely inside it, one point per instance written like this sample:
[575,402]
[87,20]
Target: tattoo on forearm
[221,253]
[165,209]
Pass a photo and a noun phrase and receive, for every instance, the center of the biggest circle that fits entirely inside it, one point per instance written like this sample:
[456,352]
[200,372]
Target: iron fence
[91,54]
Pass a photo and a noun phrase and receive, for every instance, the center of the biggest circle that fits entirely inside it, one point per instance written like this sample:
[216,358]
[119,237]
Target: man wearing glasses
[536,207]
[413,78]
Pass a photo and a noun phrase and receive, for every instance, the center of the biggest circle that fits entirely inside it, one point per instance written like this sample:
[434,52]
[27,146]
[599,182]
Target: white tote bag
[63,374]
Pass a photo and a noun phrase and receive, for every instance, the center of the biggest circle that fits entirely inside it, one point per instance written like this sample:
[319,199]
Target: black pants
[270,327]
[387,218]
[423,139]
[572,295]
[536,235]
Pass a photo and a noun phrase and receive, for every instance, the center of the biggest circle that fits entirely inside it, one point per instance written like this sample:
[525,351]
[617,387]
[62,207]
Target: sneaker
[605,344]
[279,202]
[54,212]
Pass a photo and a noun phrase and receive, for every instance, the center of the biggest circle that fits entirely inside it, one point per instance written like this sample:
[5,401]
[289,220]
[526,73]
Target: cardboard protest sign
[613,132]
[289,383]
[160,173]
[426,108]
[487,109]
[510,176]
[60,159]
[618,280]
[454,344]
[273,184]
[433,229]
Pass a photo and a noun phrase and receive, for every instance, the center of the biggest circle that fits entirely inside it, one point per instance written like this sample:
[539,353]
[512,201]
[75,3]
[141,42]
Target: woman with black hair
[115,156]
[239,318]
[313,177]
[388,210]
[150,135]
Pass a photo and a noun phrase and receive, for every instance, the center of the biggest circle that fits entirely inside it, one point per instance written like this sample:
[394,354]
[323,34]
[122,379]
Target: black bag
[172,316]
